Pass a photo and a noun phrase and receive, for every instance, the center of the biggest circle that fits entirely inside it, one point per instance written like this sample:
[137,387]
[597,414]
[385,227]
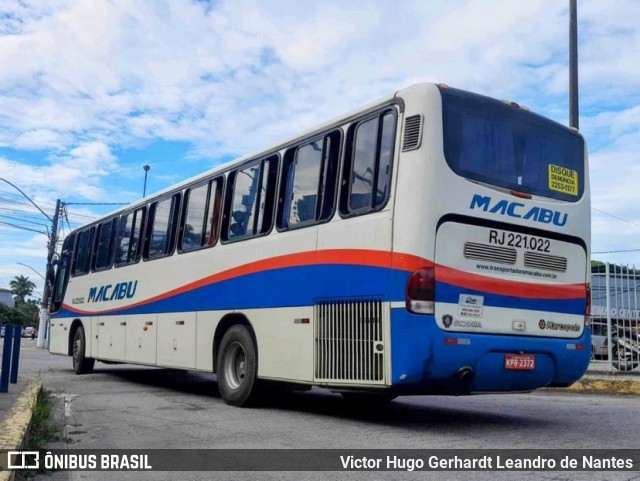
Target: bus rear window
[494,143]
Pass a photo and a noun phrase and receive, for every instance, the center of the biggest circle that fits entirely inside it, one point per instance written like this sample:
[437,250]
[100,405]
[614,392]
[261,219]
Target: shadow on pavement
[413,413]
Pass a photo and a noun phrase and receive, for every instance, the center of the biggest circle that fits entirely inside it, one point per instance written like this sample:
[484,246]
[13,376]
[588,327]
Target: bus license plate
[520,362]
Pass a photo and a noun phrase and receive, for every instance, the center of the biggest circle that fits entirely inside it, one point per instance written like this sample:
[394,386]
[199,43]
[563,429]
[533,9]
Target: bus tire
[81,363]
[238,368]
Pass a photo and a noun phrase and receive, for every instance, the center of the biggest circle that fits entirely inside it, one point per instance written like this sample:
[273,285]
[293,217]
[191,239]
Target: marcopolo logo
[518,210]
[447,320]
[109,292]
[558,326]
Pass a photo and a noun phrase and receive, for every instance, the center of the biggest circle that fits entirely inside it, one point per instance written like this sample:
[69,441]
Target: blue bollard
[6,358]
[15,358]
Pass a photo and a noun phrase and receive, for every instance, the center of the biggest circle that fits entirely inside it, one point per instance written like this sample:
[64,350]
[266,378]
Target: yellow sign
[562,179]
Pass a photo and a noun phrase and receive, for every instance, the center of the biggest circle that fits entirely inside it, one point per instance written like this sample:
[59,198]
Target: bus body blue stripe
[305,285]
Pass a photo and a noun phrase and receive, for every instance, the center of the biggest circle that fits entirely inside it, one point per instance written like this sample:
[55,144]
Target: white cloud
[90,78]
[77,172]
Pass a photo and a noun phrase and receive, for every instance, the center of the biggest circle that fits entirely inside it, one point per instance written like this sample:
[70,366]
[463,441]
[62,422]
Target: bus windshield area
[499,144]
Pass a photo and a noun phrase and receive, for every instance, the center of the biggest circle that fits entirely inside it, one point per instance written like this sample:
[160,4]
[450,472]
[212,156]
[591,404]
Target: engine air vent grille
[545,262]
[486,252]
[349,342]
[412,132]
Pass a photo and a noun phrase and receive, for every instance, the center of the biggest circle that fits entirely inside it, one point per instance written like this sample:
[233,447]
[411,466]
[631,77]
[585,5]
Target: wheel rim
[235,365]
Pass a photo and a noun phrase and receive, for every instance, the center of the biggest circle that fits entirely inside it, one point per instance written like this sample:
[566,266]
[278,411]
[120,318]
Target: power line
[22,227]
[616,217]
[95,203]
[22,214]
[27,197]
[24,220]
[615,252]
[83,215]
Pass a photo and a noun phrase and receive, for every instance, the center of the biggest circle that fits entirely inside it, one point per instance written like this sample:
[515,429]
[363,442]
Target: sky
[91,90]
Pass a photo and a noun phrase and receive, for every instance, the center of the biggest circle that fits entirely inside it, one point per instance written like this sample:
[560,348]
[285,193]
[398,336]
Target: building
[622,296]
[6,297]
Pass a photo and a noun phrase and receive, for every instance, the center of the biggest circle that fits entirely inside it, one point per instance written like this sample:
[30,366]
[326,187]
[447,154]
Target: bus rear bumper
[428,360]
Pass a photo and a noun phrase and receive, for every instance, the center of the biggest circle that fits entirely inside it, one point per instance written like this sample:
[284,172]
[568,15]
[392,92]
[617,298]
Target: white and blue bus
[433,242]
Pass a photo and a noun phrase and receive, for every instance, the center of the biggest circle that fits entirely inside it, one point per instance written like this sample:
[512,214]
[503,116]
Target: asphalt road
[134,407]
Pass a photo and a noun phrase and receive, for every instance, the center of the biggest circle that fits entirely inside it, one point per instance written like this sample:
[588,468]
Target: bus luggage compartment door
[111,337]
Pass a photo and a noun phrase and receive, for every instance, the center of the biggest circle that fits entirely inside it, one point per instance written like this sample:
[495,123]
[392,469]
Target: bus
[435,241]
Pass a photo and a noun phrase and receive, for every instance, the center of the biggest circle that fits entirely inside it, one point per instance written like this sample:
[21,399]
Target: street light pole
[146,168]
[25,265]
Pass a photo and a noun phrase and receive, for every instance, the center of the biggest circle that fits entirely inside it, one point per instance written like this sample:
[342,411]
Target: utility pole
[573,65]
[46,295]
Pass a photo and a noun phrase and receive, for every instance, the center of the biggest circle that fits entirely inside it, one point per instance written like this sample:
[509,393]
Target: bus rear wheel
[81,363]
[238,368]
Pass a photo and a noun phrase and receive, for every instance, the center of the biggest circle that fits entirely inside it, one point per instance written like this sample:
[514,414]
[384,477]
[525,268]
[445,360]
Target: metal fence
[615,317]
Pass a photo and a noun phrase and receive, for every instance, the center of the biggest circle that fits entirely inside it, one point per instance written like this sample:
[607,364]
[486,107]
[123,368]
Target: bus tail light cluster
[421,291]
[587,310]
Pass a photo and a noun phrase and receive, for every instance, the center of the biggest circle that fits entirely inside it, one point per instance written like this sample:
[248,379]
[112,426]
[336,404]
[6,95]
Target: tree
[21,287]
[25,314]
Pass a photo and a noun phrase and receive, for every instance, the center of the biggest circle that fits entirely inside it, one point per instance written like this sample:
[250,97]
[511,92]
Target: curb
[611,386]
[16,425]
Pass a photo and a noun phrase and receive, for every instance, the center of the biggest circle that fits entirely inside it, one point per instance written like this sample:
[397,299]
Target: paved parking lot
[124,406]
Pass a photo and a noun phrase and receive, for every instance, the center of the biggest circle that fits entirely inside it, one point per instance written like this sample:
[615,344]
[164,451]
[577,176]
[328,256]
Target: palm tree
[21,287]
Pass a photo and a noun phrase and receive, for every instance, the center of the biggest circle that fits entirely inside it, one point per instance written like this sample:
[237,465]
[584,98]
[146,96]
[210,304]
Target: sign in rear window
[562,179]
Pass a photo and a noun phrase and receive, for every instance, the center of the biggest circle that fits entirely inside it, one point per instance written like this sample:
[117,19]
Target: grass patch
[43,428]
[42,432]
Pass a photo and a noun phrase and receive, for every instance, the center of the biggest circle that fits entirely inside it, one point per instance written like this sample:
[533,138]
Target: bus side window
[62,273]
[201,215]
[251,206]
[385,156]
[128,238]
[245,196]
[195,217]
[307,192]
[123,239]
[214,212]
[367,169]
[82,255]
[162,228]
[105,243]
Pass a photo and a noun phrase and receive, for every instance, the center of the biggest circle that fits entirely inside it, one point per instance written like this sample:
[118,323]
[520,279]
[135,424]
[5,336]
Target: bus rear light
[421,289]
[521,195]
[587,309]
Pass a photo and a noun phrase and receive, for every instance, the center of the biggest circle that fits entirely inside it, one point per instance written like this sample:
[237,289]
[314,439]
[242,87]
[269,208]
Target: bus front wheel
[238,367]
[81,363]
